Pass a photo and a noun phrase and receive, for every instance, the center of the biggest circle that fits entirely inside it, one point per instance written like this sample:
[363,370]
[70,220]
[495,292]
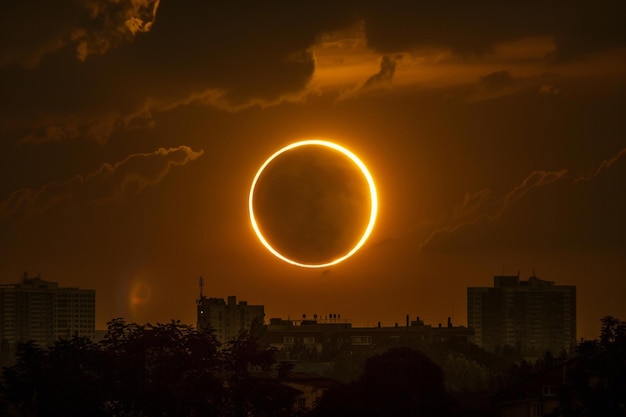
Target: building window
[549,390]
[288,340]
[536,409]
[309,340]
[361,340]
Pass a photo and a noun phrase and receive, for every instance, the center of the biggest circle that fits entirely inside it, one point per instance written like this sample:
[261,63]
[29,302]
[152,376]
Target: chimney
[407,320]
[449,322]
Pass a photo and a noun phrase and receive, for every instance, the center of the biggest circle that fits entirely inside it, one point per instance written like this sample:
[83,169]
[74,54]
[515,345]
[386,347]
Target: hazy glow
[364,171]
[140,294]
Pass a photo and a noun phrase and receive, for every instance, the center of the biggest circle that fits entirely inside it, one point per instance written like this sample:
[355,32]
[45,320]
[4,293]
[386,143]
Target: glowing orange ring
[364,171]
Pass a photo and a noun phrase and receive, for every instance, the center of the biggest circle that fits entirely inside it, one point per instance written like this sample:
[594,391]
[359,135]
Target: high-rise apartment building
[533,316]
[41,311]
[228,319]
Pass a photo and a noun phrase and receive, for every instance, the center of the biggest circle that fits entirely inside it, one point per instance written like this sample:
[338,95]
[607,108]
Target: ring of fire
[372,194]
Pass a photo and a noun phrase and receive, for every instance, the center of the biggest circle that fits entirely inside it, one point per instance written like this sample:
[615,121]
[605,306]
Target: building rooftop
[503,281]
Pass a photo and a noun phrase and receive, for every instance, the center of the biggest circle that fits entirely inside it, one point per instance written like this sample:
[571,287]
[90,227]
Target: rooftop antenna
[201,284]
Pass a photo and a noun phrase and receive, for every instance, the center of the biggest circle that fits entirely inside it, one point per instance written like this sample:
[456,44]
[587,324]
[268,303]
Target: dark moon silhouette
[312,204]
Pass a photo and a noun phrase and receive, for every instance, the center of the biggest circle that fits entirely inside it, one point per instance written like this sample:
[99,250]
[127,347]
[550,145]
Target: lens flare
[140,294]
[373,202]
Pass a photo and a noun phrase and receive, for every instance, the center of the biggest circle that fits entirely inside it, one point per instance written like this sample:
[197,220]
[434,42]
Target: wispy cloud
[482,205]
[534,180]
[604,165]
[100,129]
[474,208]
[109,183]
[52,133]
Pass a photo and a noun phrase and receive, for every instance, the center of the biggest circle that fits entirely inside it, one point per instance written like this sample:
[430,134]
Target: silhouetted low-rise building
[324,335]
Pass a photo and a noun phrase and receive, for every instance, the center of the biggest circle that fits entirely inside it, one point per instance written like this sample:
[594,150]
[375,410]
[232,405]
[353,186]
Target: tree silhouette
[24,381]
[597,382]
[464,375]
[400,382]
[253,393]
[144,371]
[62,380]
[152,369]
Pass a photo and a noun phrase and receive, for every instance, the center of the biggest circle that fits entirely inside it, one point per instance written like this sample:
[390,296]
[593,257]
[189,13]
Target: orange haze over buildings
[129,149]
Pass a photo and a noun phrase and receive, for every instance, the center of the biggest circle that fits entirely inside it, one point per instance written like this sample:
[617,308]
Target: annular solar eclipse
[313,203]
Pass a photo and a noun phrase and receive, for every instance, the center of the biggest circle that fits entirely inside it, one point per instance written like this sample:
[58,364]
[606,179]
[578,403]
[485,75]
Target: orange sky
[131,132]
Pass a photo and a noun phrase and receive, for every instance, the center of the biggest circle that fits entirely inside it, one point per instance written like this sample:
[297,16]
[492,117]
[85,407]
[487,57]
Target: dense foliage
[596,385]
[144,370]
[172,370]
[399,382]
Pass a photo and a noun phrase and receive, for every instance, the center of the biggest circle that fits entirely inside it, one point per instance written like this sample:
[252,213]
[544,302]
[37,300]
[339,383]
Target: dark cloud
[381,79]
[86,26]
[549,89]
[23,46]
[242,53]
[494,85]
[496,81]
[474,28]
[143,52]
[387,70]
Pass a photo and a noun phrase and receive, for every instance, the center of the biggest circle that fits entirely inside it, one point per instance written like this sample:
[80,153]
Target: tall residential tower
[228,319]
[39,310]
[533,316]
